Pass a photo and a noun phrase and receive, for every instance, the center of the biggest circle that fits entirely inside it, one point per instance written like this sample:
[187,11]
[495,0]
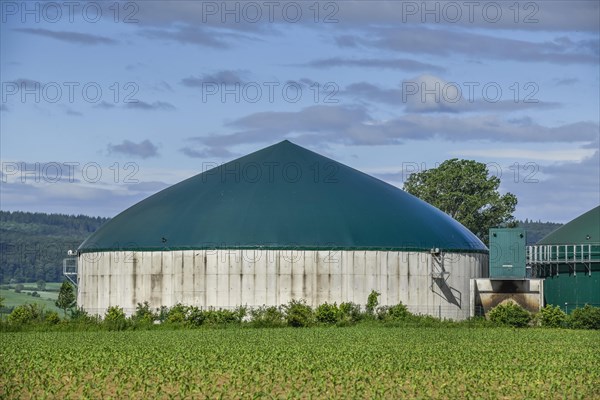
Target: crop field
[353,362]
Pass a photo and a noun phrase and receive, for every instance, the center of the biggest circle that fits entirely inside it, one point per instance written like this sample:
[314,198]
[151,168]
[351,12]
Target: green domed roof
[282,197]
[584,229]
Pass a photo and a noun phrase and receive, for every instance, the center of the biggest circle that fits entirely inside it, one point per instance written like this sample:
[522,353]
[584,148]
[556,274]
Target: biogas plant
[286,223]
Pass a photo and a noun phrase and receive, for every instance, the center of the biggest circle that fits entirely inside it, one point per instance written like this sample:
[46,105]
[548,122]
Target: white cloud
[551,16]
[454,42]
[557,192]
[143,149]
[68,36]
[355,126]
[573,155]
[432,94]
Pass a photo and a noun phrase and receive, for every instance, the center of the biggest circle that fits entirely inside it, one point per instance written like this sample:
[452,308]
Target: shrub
[398,312]
[52,318]
[328,313]
[115,319]
[298,313]
[19,288]
[195,316]
[240,313]
[26,313]
[177,314]
[510,314]
[264,317]
[35,294]
[143,314]
[372,302]
[79,315]
[162,313]
[350,313]
[552,317]
[587,317]
[220,316]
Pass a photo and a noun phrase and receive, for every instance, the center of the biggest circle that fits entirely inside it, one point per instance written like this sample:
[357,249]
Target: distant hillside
[536,230]
[33,245]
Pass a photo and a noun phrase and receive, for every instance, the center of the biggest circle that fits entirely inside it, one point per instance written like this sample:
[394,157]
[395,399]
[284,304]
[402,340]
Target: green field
[47,298]
[353,362]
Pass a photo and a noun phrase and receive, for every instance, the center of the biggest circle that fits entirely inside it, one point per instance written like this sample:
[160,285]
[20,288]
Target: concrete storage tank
[279,224]
[569,260]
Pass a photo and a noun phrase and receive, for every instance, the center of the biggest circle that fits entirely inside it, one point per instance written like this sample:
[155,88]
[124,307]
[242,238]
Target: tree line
[33,245]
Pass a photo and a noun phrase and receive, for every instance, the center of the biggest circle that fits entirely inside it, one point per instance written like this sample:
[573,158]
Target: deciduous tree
[465,190]
[66,297]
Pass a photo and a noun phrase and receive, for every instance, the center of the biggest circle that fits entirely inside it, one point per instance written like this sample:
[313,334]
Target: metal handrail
[563,254]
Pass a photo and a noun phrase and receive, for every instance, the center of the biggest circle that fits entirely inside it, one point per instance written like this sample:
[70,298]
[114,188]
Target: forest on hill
[33,245]
[536,230]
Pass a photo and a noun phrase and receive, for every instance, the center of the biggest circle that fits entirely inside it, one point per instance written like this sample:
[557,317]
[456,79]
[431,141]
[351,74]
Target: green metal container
[507,253]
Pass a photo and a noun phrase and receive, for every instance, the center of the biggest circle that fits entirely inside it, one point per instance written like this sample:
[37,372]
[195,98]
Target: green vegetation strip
[46,299]
[362,361]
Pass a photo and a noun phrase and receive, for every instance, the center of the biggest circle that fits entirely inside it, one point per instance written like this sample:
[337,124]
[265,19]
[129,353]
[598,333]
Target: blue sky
[105,103]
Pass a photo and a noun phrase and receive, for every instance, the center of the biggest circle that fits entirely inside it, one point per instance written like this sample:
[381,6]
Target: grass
[353,362]
[50,286]
[53,286]
[46,298]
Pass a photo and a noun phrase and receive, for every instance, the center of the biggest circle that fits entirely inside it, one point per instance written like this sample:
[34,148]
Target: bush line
[296,313]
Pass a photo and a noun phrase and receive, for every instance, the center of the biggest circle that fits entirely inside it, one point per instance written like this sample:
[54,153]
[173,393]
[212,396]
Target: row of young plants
[365,361]
[296,313]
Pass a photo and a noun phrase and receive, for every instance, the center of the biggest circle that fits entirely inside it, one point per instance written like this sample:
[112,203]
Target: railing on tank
[70,269]
[438,271]
[553,255]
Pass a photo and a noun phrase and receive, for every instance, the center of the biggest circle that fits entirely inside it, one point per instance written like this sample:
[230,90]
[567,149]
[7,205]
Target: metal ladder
[438,272]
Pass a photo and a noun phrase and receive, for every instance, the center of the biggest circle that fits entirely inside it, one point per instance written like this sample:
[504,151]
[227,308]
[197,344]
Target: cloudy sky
[105,103]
